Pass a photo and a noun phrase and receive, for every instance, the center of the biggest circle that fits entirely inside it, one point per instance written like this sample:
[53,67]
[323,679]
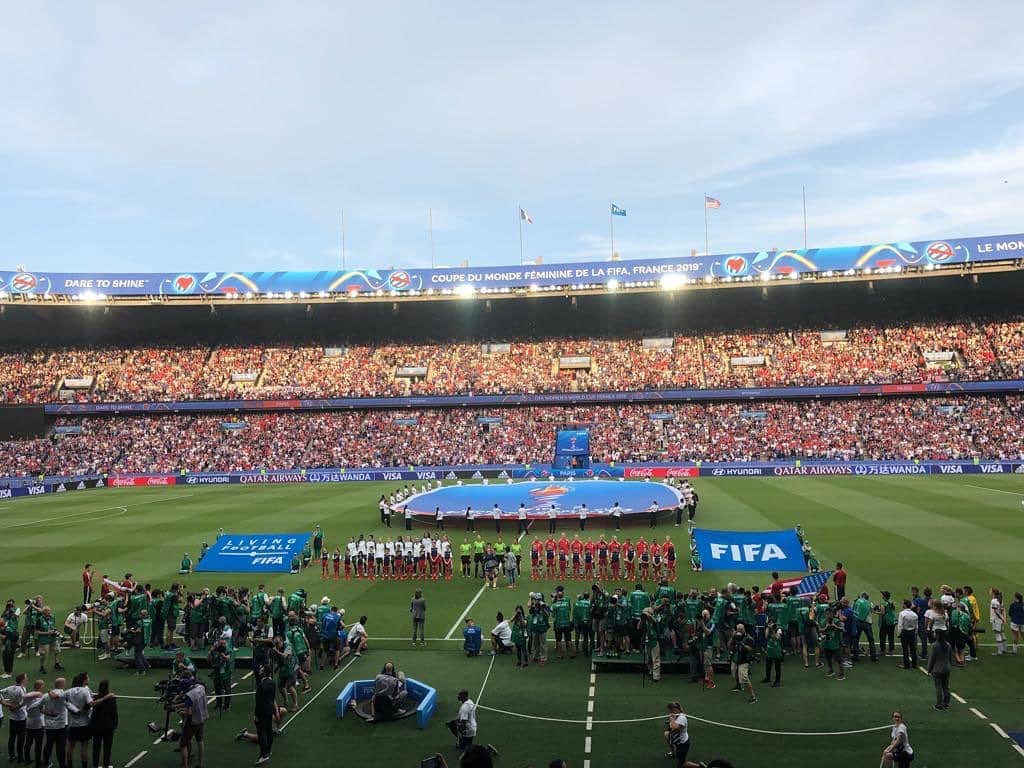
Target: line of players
[431,557]
[603,559]
[406,557]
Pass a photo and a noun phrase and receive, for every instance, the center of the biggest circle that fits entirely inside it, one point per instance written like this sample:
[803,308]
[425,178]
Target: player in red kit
[576,547]
[550,548]
[336,562]
[563,555]
[656,560]
[324,560]
[589,550]
[643,557]
[629,556]
[536,551]
[669,549]
[615,550]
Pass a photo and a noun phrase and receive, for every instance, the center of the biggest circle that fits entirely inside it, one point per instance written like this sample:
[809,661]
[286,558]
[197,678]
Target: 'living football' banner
[749,550]
[253,552]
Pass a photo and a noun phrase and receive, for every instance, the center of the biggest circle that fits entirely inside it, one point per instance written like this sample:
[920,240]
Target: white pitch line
[1000,731]
[123,507]
[465,613]
[590,692]
[590,707]
[995,490]
[135,759]
[961,699]
[486,678]
[1018,747]
[247,675]
[586,746]
[978,714]
[317,694]
[925,671]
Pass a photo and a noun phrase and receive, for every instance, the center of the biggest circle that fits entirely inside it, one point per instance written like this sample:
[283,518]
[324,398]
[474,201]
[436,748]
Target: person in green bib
[465,557]
[561,614]
[186,564]
[820,623]
[638,600]
[519,638]
[650,628]
[172,609]
[538,624]
[665,590]
[277,611]
[116,624]
[623,615]
[222,666]
[137,603]
[773,655]
[48,640]
[793,605]
[287,671]
[517,549]
[296,635]
[887,625]
[862,610]
[297,601]
[156,615]
[479,545]
[583,624]
[831,644]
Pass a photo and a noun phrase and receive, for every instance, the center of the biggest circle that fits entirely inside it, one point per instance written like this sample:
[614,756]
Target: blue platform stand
[424,696]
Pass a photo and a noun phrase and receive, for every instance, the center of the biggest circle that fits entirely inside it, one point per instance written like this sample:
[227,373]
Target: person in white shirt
[678,736]
[464,725]
[617,516]
[906,625]
[583,517]
[935,618]
[523,524]
[55,720]
[552,518]
[470,519]
[73,625]
[996,619]
[80,698]
[12,699]
[899,752]
[496,514]
[501,636]
[358,638]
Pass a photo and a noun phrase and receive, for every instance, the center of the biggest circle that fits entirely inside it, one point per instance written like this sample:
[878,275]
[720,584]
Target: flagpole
[803,192]
[707,251]
[343,264]
[611,228]
[430,222]
[519,215]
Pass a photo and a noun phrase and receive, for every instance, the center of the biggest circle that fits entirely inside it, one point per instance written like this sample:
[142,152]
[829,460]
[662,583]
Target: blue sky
[177,136]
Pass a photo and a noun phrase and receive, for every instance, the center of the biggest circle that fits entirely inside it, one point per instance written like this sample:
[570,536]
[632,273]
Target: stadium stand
[906,353]
[981,427]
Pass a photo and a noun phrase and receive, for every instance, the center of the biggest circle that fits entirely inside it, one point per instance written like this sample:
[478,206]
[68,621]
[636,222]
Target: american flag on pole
[808,586]
[712,202]
[525,216]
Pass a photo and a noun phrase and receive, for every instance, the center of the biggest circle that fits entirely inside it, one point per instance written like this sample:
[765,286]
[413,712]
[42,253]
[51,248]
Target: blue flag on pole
[616,211]
[749,550]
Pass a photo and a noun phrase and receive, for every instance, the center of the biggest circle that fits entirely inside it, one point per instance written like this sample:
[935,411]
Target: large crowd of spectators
[907,353]
[889,428]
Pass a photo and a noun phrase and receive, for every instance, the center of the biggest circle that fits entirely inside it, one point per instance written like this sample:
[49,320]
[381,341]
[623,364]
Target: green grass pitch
[890,532]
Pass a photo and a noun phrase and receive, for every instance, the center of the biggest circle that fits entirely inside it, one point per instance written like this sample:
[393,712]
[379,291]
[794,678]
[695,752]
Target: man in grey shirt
[55,720]
[13,699]
[195,716]
[80,697]
[939,665]
[418,609]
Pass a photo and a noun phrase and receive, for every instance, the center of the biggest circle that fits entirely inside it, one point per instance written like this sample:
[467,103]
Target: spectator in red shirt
[839,577]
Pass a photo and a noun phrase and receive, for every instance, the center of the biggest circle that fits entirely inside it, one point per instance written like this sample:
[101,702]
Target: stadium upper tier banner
[253,552]
[733,265]
[749,550]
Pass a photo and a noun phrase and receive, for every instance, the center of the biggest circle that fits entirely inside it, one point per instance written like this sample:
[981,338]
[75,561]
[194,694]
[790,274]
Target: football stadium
[692,506]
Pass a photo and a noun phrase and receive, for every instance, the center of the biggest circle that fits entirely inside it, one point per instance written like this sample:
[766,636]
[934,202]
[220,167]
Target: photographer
[48,640]
[33,607]
[222,664]
[73,625]
[267,713]
[194,716]
[741,649]
[650,630]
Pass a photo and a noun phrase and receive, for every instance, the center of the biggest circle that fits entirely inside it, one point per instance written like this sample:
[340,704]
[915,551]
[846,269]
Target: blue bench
[419,693]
